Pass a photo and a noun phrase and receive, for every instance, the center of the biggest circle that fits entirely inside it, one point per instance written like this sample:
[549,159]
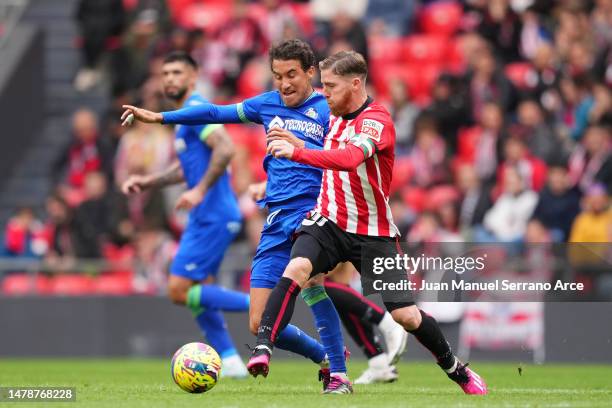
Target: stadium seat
[113,284]
[441,195]
[441,18]
[251,80]
[425,49]
[208,17]
[385,50]
[25,284]
[72,285]
[455,57]
[303,16]
[418,79]
[403,171]
[467,140]
[415,198]
[522,75]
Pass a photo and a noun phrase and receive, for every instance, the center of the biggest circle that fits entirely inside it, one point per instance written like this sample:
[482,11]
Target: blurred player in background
[352,213]
[295,109]
[204,154]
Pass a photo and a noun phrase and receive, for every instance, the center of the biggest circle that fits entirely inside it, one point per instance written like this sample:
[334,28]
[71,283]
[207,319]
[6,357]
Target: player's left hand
[277,133]
[189,199]
[281,148]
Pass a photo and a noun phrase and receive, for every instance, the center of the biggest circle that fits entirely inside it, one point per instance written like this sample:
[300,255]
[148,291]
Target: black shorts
[326,245]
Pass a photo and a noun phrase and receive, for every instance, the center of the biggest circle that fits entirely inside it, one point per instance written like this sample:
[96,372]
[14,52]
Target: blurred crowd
[503,112]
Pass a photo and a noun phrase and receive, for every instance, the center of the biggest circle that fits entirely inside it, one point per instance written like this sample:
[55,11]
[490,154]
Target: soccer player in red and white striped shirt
[352,214]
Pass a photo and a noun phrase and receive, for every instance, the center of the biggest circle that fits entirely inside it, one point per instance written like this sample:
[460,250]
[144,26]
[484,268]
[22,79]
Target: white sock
[387,323]
[263,346]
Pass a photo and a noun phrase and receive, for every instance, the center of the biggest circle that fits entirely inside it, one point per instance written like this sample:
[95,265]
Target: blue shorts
[202,248]
[274,248]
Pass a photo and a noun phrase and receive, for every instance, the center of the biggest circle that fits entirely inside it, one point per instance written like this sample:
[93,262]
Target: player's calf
[408,317]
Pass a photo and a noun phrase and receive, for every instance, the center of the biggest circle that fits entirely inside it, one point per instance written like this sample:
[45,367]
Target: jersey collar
[353,115]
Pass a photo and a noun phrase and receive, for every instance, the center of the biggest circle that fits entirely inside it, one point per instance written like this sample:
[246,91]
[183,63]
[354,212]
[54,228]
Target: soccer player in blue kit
[291,191]
[204,152]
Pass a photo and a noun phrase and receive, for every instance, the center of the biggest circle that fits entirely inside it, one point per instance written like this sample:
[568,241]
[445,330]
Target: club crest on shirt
[311,113]
[372,128]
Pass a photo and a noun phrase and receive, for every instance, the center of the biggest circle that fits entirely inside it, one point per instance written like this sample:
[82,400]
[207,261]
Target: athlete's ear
[356,83]
[310,72]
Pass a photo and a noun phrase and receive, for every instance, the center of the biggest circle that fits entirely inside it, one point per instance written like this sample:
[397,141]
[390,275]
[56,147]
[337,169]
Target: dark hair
[181,56]
[346,63]
[294,49]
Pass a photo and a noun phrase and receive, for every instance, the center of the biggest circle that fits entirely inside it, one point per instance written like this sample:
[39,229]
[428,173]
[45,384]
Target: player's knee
[298,270]
[177,294]
[408,317]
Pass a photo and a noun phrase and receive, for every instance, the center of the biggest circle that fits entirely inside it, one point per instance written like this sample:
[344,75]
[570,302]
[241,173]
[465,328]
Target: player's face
[178,77]
[338,92]
[293,83]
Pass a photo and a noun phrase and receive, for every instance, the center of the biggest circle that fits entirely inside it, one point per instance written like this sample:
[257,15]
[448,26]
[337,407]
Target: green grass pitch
[292,383]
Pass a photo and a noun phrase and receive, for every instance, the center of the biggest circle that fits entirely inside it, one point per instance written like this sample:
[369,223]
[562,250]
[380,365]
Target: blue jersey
[290,184]
[219,204]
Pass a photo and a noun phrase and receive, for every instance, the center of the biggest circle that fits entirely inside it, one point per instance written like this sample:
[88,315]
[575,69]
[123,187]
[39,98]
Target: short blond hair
[346,63]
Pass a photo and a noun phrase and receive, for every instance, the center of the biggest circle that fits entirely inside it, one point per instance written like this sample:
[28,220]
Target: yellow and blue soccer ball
[196,367]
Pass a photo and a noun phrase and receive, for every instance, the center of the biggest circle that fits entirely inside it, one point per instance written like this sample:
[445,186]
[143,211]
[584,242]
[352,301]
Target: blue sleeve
[204,114]
[249,110]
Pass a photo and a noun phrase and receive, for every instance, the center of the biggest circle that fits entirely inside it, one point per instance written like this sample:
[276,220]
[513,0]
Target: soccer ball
[196,367]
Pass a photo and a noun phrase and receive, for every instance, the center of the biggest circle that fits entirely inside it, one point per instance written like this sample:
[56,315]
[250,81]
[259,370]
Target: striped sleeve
[366,145]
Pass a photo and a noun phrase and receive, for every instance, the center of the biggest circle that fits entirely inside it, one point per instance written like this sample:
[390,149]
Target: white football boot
[379,371]
[233,367]
[395,338]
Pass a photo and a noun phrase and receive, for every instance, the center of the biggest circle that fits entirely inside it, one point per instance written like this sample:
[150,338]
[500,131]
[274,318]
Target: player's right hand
[135,184]
[257,191]
[132,113]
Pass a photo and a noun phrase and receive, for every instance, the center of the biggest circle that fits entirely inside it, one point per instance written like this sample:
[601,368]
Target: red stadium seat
[250,82]
[441,18]
[418,79]
[467,140]
[301,12]
[25,284]
[208,17]
[425,49]
[72,285]
[455,56]
[403,170]
[385,50]
[522,75]
[113,284]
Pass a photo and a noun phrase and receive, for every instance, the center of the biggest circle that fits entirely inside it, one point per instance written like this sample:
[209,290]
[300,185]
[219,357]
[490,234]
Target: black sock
[430,336]
[278,311]
[362,333]
[348,300]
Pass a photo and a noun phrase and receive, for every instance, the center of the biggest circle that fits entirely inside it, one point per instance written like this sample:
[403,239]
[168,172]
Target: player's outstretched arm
[338,159]
[138,183]
[132,113]
[222,152]
[204,114]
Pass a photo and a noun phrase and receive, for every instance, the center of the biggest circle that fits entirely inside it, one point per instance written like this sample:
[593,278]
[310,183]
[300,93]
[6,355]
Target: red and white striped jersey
[358,201]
